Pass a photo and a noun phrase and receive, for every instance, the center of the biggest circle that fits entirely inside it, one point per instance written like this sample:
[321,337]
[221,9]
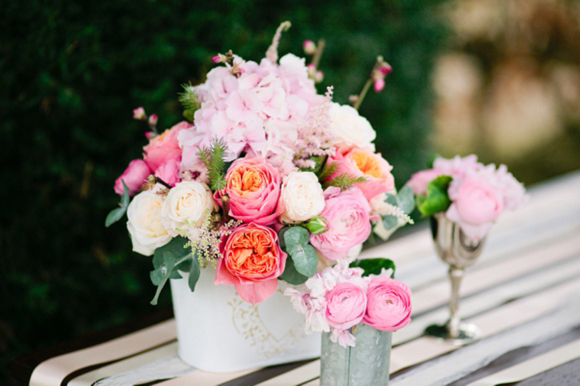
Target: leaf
[176,248]
[117,213]
[406,199]
[390,222]
[374,266]
[318,163]
[291,276]
[301,252]
[194,272]
[437,199]
[391,199]
[167,260]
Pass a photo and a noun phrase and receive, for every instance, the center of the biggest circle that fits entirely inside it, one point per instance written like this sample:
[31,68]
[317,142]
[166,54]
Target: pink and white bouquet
[337,299]
[470,194]
[264,181]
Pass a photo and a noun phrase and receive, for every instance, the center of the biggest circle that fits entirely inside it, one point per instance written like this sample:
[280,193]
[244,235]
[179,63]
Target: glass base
[468,333]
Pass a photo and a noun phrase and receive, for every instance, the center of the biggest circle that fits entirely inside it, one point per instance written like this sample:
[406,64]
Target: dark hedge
[71,72]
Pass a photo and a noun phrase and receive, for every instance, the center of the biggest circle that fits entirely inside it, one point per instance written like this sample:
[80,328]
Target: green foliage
[436,199]
[117,213]
[327,171]
[344,181]
[296,245]
[71,74]
[188,99]
[213,158]
[405,200]
[374,266]
[318,164]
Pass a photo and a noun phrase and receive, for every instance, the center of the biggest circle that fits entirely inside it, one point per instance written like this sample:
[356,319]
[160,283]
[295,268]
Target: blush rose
[164,147]
[134,177]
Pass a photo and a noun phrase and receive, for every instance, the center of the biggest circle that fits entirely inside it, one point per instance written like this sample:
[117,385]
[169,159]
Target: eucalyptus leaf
[406,199]
[391,199]
[125,197]
[156,276]
[291,276]
[167,260]
[390,222]
[301,252]
[374,266]
[114,216]
[194,272]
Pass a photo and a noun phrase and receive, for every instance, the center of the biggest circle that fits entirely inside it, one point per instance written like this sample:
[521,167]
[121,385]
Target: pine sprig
[188,99]
[327,171]
[213,159]
[344,181]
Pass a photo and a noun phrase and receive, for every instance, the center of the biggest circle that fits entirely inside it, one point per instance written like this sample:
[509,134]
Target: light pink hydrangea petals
[169,171]
[164,147]
[346,305]
[134,176]
[347,214]
[243,106]
[389,304]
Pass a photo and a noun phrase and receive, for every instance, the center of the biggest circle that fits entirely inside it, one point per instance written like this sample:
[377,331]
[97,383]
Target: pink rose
[134,176]
[388,304]
[251,261]
[362,162]
[347,216]
[253,188]
[456,167]
[345,305]
[477,202]
[164,147]
[169,171]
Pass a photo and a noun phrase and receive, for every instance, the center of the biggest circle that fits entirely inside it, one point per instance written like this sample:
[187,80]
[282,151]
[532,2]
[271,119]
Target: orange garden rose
[251,261]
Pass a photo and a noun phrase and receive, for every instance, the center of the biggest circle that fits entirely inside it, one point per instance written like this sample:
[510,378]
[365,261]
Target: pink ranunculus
[477,202]
[251,261]
[345,305]
[134,176]
[164,147]
[169,171]
[253,188]
[347,216]
[388,304]
[361,162]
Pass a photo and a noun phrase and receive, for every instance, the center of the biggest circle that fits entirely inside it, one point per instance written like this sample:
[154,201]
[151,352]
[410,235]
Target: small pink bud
[309,47]
[318,76]
[379,84]
[217,58]
[139,113]
[153,119]
[386,68]
[311,70]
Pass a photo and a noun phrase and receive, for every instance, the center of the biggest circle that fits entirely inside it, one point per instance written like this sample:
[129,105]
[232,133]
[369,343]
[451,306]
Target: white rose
[350,128]
[187,201]
[302,197]
[144,223]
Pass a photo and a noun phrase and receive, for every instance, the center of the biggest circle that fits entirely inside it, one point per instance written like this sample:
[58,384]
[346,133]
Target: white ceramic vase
[219,332]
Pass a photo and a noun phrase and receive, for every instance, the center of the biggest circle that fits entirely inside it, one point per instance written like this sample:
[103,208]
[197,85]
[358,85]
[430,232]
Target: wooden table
[524,292]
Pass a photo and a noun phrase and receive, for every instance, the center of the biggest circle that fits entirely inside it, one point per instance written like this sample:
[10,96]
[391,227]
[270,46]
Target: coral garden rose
[164,147]
[347,215]
[302,197]
[388,304]
[362,162]
[251,261]
[134,177]
[188,202]
[144,223]
[477,203]
[345,305]
[351,129]
[253,188]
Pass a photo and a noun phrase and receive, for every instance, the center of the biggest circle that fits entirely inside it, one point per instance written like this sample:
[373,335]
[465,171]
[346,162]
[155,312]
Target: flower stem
[160,181]
[363,93]
[318,53]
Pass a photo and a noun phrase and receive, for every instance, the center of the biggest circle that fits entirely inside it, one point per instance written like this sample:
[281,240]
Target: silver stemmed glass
[459,251]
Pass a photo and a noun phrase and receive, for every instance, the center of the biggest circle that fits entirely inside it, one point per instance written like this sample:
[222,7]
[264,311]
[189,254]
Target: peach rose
[253,188]
[362,162]
[251,261]
[164,147]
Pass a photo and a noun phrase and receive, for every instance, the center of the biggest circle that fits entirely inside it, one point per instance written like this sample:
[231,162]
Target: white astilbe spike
[392,210]
[272,52]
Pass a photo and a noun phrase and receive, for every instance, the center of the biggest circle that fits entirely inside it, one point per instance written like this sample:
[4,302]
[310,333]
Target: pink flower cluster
[478,193]
[339,298]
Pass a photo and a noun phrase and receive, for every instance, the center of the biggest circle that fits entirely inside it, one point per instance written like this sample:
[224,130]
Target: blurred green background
[500,78]
[72,72]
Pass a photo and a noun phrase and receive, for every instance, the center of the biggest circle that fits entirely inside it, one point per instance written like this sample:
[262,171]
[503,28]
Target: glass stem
[455,276]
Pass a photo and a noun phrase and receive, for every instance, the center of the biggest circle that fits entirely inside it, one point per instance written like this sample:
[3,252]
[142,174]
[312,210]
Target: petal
[257,292]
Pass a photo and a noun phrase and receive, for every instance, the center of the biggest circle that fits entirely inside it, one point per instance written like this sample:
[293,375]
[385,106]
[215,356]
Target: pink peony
[361,162]
[347,216]
[456,167]
[169,171]
[253,188]
[477,202]
[164,147]
[134,176]
[345,305]
[388,304]
[420,180]
[251,261]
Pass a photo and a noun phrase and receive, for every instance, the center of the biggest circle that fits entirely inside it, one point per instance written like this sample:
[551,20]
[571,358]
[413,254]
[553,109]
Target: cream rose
[349,128]
[302,197]
[144,223]
[187,201]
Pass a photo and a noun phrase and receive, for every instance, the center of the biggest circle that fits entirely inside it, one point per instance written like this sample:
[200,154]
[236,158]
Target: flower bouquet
[267,183]
[464,199]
